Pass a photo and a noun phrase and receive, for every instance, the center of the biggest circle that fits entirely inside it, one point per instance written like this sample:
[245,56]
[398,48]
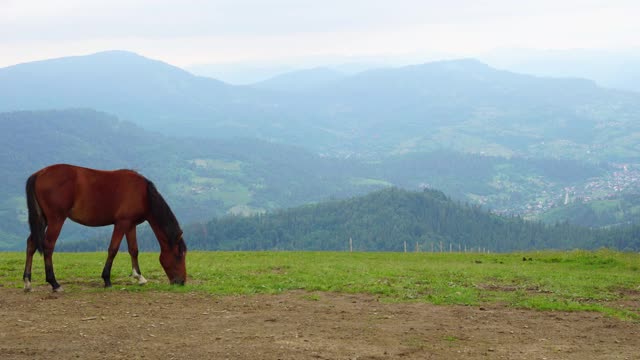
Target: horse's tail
[37,220]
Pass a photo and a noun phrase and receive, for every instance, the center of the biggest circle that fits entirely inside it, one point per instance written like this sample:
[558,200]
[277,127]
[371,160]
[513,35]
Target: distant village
[624,178]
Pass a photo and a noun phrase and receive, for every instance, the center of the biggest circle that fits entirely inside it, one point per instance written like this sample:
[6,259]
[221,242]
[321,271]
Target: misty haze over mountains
[618,69]
[462,105]
[612,69]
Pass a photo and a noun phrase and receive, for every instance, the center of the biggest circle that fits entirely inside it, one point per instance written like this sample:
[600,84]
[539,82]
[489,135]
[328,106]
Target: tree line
[387,220]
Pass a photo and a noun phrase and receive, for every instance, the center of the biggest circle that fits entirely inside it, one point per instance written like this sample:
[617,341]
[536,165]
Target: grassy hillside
[601,281]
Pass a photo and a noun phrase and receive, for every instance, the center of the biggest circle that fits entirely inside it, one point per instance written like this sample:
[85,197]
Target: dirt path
[295,325]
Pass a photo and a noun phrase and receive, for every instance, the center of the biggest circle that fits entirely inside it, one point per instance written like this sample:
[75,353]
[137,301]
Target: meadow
[600,281]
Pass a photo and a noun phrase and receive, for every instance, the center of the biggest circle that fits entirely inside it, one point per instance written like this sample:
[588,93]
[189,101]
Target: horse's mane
[133,171]
[165,218]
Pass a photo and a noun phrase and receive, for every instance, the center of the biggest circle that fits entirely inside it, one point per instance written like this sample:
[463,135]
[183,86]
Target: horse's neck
[160,234]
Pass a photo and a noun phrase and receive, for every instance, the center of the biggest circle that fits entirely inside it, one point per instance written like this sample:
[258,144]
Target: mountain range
[462,105]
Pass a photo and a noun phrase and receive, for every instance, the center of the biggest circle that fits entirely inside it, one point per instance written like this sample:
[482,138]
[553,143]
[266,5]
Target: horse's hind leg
[31,249]
[132,244]
[114,246]
[51,236]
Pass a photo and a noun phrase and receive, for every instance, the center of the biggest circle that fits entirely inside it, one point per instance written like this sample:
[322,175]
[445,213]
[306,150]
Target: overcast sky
[190,32]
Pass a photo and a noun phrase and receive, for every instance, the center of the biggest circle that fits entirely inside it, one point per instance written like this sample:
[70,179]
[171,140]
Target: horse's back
[92,197]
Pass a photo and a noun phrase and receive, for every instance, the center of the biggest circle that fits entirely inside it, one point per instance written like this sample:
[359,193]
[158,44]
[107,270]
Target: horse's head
[172,259]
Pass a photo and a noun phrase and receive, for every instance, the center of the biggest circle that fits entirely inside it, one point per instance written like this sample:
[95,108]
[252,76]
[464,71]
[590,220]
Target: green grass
[602,281]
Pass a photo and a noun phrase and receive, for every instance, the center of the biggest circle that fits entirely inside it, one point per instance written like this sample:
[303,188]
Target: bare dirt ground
[295,325]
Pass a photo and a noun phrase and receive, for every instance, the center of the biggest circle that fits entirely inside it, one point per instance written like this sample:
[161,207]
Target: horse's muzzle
[177,282]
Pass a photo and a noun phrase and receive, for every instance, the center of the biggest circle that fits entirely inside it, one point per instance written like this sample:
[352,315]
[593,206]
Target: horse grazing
[91,197]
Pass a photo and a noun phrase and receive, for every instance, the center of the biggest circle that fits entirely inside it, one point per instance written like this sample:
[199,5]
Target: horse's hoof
[59,289]
[27,289]
[142,280]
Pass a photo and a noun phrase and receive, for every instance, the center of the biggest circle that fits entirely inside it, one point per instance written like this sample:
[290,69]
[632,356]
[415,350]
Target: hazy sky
[191,32]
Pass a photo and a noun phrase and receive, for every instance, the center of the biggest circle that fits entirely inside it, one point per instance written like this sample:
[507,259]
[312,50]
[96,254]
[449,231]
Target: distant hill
[147,92]
[470,107]
[619,69]
[461,105]
[240,73]
[302,80]
[388,220]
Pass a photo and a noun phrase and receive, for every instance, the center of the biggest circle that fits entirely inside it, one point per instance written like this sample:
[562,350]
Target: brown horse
[90,197]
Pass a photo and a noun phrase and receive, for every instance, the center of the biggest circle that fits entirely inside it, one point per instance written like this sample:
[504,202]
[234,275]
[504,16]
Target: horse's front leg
[114,246]
[132,245]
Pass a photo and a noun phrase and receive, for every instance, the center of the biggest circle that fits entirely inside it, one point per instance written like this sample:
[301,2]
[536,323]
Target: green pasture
[603,281]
